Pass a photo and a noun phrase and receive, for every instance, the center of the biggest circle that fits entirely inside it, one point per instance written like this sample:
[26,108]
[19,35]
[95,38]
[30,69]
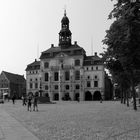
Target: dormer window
[77,62]
[46,64]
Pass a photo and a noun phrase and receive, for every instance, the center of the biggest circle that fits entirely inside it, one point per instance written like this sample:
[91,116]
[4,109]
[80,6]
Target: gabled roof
[33,66]
[14,78]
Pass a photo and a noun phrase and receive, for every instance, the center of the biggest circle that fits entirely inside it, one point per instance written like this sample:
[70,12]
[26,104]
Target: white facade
[66,72]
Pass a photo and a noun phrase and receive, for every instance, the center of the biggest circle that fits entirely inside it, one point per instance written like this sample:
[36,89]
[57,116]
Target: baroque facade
[65,72]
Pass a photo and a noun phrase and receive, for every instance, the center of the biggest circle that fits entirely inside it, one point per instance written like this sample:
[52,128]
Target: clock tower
[65,33]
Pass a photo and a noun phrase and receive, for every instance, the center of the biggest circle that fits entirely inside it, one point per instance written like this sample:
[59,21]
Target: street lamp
[40,84]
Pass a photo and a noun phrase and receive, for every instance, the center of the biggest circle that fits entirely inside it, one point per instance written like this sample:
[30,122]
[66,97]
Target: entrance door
[76,97]
[97,96]
[56,96]
[88,96]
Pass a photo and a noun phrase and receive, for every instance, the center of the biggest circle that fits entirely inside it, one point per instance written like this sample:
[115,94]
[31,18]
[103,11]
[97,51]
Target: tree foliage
[122,55]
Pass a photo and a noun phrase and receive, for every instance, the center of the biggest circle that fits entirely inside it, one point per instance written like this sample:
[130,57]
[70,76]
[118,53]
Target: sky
[29,27]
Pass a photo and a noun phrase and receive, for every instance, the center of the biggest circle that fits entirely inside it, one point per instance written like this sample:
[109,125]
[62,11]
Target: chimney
[35,60]
[75,42]
[95,53]
[52,45]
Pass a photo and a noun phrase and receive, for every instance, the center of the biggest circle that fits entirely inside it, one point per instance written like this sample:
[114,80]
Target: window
[88,84]
[30,79]
[31,85]
[67,87]
[95,83]
[88,77]
[46,87]
[46,76]
[96,68]
[56,87]
[87,68]
[56,76]
[91,68]
[36,85]
[46,65]
[95,76]
[77,62]
[67,75]
[77,75]
[77,87]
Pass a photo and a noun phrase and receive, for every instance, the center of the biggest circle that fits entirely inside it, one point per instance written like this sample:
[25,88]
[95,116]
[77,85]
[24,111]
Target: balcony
[62,67]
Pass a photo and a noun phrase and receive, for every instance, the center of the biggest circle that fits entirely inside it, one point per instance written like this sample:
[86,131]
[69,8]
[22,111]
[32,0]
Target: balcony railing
[61,67]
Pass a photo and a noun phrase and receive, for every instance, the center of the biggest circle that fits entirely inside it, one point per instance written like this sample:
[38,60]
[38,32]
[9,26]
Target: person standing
[29,103]
[24,100]
[13,98]
[35,103]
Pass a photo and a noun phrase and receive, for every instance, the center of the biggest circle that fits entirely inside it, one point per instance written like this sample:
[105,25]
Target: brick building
[12,84]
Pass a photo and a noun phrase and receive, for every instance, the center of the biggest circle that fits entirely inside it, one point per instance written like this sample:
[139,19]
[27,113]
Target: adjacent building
[11,83]
[65,72]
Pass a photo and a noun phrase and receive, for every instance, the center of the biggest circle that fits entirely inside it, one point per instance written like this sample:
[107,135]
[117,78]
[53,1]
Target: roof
[14,78]
[92,60]
[33,66]
[53,51]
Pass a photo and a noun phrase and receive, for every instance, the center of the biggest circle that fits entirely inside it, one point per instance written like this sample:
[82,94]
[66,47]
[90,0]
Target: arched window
[77,62]
[46,64]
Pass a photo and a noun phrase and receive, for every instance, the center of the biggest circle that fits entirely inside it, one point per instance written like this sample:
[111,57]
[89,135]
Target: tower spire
[65,13]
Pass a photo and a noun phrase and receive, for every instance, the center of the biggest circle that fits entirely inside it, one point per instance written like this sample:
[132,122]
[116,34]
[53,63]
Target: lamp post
[40,85]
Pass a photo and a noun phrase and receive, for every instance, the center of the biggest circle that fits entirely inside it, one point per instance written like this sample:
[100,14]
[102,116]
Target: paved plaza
[70,121]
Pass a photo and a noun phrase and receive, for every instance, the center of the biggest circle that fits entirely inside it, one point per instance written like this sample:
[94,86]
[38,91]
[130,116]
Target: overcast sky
[28,27]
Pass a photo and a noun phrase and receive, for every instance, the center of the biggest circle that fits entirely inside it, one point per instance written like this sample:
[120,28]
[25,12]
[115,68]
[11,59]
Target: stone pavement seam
[11,129]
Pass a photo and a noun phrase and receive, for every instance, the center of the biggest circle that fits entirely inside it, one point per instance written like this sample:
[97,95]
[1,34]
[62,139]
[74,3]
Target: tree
[123,43]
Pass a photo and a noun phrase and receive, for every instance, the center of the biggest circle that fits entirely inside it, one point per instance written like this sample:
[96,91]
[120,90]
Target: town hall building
[65,72]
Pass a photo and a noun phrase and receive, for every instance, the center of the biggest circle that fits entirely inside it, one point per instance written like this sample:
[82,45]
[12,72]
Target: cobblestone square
[109,120]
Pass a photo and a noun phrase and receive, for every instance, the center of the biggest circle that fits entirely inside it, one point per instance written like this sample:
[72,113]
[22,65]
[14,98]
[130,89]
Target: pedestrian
[13,98]
[29,104]
[78,100]
[35,103]
[24,100]
[101,100]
